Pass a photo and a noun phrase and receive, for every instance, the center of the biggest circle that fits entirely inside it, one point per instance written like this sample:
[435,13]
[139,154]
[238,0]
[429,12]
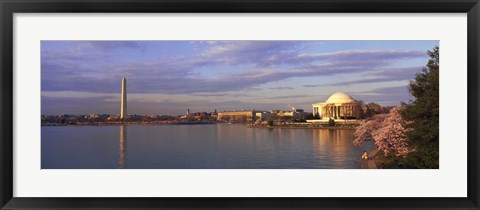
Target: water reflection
[122,148]
[335,147]
[220,146]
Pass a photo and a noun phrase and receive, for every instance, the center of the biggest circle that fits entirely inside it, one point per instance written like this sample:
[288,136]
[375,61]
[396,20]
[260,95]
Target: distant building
[238,116]
[294,114]
[338,106]
[262,115]
[201,116]
[298,114]
[214,114]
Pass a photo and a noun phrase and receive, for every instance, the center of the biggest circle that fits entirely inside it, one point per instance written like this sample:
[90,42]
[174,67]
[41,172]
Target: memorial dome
[340,98]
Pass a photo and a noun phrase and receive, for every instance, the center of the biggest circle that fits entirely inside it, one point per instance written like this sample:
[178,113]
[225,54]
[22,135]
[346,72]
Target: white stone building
[338,106]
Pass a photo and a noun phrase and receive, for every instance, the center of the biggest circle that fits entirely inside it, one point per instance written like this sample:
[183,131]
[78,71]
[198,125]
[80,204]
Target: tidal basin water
[214,146]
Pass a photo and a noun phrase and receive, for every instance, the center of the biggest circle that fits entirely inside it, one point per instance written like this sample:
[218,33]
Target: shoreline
[204,123]
[370,163]
[125,123]
[309,127]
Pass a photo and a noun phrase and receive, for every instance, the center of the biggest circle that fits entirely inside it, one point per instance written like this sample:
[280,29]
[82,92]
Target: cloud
[365,55]
[291,96]
[81,51]
[81,69]
[282,88]
[57,105]
[385,96]
[107,45]
[227,47]
[78,94]
[384,75]
[222,69]
[220,94]
[165,78]
[211,94]
[270,53]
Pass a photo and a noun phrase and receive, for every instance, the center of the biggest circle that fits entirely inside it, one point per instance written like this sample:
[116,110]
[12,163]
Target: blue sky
[168,77]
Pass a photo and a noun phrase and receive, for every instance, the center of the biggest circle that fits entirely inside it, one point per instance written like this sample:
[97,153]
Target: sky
[169,77]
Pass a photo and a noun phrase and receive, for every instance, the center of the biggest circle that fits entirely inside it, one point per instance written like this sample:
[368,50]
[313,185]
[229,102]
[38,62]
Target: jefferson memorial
[338,106]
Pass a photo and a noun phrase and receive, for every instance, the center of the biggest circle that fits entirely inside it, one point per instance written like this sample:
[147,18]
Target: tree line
[409,134]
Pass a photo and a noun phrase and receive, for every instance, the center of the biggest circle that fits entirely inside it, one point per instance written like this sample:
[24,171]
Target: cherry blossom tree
[387,131]
[363,132]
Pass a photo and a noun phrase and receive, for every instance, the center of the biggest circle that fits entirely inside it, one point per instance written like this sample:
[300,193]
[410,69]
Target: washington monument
[123,106]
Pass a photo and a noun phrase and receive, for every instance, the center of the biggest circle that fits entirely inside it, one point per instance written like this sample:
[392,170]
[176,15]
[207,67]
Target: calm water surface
[220,146]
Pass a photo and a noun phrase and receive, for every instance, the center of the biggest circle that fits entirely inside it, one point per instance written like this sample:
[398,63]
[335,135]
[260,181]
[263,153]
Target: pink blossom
[386,130]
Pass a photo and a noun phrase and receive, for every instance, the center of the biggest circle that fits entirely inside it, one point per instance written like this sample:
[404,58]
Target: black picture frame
[10,7]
